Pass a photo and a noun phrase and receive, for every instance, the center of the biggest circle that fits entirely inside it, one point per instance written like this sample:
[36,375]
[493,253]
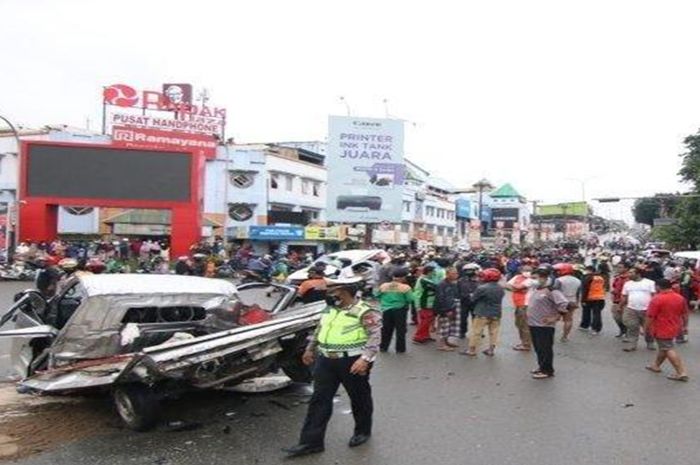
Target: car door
[28,334]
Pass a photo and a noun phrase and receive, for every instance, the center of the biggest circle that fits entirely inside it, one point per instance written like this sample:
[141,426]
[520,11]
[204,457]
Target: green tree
[690,168]
[646,210]
[685,233]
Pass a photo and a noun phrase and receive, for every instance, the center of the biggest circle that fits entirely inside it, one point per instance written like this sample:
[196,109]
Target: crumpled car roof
[120,284]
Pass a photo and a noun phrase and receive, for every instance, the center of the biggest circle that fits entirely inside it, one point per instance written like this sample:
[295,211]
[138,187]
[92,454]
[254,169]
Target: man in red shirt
[665,319]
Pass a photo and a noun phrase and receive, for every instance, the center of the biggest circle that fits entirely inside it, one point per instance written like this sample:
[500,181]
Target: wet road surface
[430,407]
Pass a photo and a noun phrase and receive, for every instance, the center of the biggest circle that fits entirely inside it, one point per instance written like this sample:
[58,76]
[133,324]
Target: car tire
[137,405]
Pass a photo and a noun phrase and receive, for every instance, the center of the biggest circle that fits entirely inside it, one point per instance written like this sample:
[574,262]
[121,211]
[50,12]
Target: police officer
[343,347]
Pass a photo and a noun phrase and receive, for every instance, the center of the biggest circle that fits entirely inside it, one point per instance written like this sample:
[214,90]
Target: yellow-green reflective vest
[342,330]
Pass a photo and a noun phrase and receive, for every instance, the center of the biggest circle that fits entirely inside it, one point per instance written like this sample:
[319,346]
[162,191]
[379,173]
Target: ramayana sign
[129,137]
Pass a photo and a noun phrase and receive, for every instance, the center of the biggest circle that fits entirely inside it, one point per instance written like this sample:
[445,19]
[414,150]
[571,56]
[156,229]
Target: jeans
[591,316]
[394,320]
[329,374]
[543,343]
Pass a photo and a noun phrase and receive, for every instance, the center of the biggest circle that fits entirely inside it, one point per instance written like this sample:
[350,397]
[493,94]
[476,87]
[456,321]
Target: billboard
[560,209]
[90,172]
[143,138]
[464,209]
[365,163]
[506,216]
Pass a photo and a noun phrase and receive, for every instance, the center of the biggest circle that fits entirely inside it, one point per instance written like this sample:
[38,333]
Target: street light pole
[10,236]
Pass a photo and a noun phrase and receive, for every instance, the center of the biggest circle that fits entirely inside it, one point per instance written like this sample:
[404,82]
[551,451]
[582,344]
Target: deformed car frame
[146,337]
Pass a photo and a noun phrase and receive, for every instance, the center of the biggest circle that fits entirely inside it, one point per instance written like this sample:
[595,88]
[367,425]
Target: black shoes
[301,450]
[358,440]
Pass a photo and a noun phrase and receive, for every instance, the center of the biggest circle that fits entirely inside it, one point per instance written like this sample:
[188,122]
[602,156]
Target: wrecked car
[144,338]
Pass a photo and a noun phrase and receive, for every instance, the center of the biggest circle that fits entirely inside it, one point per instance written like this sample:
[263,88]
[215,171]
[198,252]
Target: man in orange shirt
[520,285]
[314,288]
[593,301]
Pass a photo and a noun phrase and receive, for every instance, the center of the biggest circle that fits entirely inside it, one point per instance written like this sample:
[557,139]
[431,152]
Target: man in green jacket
[395,298]
[425,301]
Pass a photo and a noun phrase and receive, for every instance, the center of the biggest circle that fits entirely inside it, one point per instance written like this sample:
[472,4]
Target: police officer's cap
[344,283]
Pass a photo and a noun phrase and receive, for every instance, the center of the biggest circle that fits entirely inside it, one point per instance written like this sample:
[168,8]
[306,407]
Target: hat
[343,283]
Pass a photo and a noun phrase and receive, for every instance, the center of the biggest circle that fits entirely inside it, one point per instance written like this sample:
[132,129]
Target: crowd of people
[452,298]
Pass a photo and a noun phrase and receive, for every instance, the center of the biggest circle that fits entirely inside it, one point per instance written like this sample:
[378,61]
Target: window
[274,181]
[440,231]
[241,179]
[305,186]
[316,189]
[78,211]
[289,182]
[450,232]
[405,227]
[312,214]
[240,211]
[407,206]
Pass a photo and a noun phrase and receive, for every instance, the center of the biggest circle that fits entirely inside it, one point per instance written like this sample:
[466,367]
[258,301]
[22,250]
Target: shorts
[665,344]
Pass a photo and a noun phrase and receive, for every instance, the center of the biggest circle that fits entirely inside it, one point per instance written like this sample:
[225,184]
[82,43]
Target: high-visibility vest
[342,330]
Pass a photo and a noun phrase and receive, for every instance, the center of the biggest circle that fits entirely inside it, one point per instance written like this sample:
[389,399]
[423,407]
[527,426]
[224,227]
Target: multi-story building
[428,212]
[267,193]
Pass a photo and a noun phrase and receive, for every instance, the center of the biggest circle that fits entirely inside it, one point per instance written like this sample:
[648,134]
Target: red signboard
[143,138]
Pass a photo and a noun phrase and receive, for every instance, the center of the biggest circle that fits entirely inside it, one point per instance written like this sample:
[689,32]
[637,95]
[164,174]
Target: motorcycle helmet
[471,269]
[564,269]
[490,275]
[95,266]
[68,264]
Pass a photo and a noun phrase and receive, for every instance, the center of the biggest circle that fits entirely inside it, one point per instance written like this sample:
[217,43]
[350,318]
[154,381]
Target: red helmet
[490,275]
[564,269]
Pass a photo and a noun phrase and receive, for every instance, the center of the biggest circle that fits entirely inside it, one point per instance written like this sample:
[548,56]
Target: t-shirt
[570,286]
[666,314]
[639,293]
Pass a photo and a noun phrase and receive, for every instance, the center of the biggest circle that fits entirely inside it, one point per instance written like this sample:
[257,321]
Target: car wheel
[137,406]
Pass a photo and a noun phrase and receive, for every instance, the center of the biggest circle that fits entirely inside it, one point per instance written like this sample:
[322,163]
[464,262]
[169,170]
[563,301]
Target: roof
[163,217]
[121,284]
[506,190]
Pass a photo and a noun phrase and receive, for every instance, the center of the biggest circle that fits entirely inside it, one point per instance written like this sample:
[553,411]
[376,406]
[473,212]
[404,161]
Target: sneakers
[564,339]
[582,329]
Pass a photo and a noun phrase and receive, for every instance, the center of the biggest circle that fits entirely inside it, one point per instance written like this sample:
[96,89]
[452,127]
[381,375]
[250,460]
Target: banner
[515,237]
[276,233]
[474,235]
[142,138]
[320,233]
[365,161]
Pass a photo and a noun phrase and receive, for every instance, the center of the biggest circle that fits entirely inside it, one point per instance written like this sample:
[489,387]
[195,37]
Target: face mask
[333,301]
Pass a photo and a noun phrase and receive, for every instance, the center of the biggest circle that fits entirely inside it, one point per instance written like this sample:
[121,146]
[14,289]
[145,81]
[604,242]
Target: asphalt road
[431,407]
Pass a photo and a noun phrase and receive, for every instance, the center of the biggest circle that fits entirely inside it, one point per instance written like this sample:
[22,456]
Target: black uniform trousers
[394,319]
[329,374]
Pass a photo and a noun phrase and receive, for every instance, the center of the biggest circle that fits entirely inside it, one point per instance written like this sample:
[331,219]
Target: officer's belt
[341,354]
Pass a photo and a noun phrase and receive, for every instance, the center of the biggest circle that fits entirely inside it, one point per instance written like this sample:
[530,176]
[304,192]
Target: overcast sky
[529,92]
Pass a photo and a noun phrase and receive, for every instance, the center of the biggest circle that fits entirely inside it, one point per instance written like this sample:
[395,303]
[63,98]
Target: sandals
[652,369]
[541,375]
[446,349]
[468,353]
[521,348]
[488,352]
[682,378]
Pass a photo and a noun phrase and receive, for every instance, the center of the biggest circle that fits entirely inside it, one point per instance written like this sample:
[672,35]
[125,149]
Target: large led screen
[105,173]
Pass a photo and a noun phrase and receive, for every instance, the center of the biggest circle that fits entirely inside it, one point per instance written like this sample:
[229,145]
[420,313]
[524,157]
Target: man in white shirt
[636,295]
